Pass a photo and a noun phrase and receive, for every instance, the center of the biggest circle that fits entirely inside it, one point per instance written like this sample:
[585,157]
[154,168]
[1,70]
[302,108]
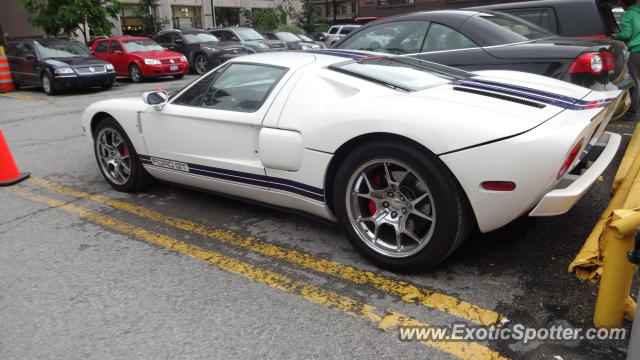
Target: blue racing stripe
[287,185]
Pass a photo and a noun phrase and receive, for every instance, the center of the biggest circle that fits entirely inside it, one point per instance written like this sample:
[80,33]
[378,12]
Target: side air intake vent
[499,96]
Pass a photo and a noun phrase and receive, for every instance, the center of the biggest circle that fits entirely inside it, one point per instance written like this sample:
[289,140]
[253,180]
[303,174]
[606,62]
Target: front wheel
[135,73]
[47,84]
[200,64]
[400,206]
[117,159]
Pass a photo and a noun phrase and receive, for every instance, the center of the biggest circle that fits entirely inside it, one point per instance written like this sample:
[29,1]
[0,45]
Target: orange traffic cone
[9,173]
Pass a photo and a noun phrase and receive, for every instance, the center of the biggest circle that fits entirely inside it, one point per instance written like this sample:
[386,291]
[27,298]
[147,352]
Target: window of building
[227,16]
[187,17]
[354,7]
[130,20]
[396,2]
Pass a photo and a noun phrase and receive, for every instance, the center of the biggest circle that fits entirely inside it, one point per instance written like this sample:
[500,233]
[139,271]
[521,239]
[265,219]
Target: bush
[322,27]
[291,28]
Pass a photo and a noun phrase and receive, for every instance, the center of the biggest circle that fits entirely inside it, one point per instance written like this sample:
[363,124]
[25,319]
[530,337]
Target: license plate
[173,68]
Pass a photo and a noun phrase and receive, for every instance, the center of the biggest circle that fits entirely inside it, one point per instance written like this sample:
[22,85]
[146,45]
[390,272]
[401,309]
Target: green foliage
[291,28]
[307,17]
[56,17]
[322,27]
[268,19]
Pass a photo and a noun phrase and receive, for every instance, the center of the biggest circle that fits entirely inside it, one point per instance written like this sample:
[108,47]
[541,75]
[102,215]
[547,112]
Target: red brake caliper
[376,183]
[125,152]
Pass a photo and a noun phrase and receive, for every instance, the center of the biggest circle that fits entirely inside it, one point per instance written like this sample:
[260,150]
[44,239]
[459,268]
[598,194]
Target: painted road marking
[24,97]
[389,321]
[406,291]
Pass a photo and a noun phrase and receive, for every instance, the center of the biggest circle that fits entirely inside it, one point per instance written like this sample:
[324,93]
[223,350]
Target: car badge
[92,69]
[234,51]
[172,61]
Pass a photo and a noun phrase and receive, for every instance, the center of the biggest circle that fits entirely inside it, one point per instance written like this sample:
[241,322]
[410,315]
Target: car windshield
[304,37]
[287,36]
[199,37]
[141,45]
[249,34]
[520,28]
[62,49]
[401,73]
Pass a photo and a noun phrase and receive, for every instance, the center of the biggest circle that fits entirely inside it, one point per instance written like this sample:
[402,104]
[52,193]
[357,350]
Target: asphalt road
[171,273]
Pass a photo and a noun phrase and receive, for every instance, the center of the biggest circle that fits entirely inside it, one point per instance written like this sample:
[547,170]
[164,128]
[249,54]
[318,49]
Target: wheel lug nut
[404,210]
[394,214]
[401,197]
[385,204]
[390,194]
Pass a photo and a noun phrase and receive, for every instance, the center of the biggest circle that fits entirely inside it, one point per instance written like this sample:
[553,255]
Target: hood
[74,61]
[158,54]
[221,45]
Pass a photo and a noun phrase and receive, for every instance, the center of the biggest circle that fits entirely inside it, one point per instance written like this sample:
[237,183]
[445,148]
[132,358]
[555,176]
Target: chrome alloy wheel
[46,84]
[201,64]
[391,208]
[113,156]
[135,73]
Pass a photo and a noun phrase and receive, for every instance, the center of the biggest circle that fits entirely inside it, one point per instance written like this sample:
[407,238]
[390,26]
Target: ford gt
[408,156]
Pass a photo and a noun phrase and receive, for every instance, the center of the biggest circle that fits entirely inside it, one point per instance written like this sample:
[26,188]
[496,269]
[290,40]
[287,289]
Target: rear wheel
[47,84]
[401,207]
[117,159]
[200,64]
[135,74]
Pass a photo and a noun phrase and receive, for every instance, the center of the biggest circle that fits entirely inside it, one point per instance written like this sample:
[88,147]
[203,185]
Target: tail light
[593,63]
[572,156]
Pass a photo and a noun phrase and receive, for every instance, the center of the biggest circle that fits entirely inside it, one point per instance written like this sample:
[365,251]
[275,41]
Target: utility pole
[213,13]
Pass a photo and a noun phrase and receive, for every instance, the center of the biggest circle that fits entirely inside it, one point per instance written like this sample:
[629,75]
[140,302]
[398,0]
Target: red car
[140,57]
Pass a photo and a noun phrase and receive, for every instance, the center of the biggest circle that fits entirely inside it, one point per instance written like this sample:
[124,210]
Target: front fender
[125,112]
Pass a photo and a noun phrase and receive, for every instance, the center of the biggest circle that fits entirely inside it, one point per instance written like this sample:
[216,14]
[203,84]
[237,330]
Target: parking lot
[88,272]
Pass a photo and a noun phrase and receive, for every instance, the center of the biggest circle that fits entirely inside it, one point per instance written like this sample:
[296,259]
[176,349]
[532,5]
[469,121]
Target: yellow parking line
[406,291]
[23,97]
[390,321]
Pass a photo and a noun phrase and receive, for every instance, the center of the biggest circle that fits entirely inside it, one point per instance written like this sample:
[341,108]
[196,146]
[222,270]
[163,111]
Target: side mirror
[30,57]
[158,98]
[118,52]
[178,41]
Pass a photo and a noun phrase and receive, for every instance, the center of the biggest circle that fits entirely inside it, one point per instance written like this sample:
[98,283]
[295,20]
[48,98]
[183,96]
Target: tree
[268,19]
[150,23]
[65,17]
[307,17]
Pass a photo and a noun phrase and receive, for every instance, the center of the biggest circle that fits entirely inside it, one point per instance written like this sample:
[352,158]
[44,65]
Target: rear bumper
[573,186]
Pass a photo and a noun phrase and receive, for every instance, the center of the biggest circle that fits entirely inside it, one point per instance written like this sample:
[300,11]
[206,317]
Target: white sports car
[408,156]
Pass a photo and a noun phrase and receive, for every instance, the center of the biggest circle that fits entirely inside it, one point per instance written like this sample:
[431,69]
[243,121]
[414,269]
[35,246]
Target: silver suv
[337,32]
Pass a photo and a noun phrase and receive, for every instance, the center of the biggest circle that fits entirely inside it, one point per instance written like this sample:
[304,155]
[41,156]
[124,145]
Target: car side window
[543,17]
[27,50]
[402,37]
[115,46]
[163,39]
[236,87]
[333,30]
[12,50]
[102,46]
[440,37]
[345,30]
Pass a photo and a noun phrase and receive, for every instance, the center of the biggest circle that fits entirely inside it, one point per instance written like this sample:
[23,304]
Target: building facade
[186,14]
[368,8]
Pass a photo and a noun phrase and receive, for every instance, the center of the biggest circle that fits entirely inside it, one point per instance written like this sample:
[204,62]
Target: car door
[211,129]
[14,55]
[29,68]
[119,60]
[101,50]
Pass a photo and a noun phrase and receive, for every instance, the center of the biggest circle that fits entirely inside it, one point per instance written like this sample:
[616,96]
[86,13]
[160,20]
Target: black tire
[454,218]
[135,74]
[108,86]
[16,85]
[200,59]
[47,84]
[139,177]
[178,76]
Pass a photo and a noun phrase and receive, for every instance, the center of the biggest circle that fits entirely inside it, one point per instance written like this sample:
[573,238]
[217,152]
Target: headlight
[264,46]
[183,59]
[63,71]
[152,62]
[109,67]
[211,49]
